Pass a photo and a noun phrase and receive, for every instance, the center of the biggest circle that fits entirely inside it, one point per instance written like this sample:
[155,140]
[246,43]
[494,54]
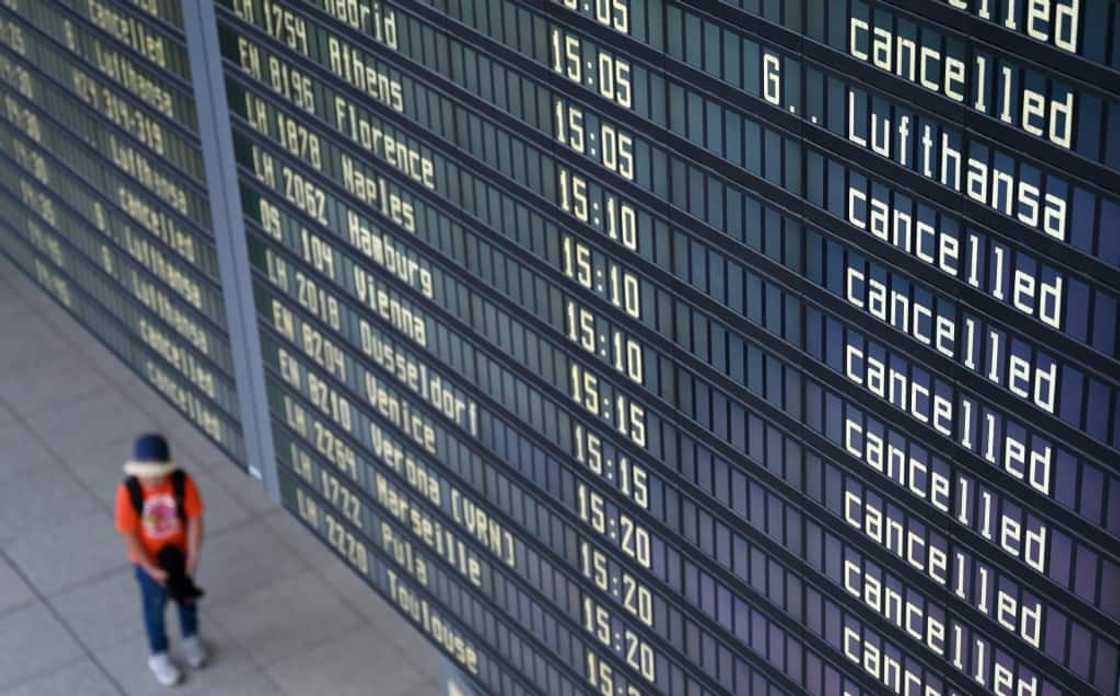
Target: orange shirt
[159,524]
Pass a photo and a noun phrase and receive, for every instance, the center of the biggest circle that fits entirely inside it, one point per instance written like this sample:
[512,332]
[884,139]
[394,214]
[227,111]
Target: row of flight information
[625,347]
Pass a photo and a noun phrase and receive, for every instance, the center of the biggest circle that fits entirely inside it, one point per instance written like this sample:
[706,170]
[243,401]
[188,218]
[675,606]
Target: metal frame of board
[201,27]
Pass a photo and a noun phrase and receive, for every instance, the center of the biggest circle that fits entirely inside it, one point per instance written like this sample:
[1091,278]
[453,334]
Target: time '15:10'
[598,208]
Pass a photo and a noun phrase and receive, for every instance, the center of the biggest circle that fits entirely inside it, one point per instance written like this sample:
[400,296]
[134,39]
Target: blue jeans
[155,602]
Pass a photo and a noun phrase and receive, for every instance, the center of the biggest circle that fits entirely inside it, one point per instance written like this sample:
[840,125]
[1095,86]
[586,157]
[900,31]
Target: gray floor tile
[32,642]
[314,552]
[34,344]
[49,385]
[31,290]
[101,468]
[47,305]
[103,612]
[286,618]
[44,499]
[244,559]
[435,687]
[15,279]
[9,276]
[127,661]
[122,376]
[70,411]
[22,452]
[75,427]
[348,666]
[245,682]
[222,510]
[13,308]
[66,326]
[11,301]
[98,353]
[47,308]
[358,595]
[64,555]
[79,678]
[14,592]
[7,415]
[145,397]
[249,491]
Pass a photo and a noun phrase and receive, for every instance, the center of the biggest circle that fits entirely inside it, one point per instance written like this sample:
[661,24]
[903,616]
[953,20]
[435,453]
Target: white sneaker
[165,670]
[194,651]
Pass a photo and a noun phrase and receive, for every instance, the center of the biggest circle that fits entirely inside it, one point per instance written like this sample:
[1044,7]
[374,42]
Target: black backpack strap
[179,486]
[135,494]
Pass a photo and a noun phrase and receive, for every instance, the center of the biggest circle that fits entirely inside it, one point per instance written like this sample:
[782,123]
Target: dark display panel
[643,347]
[105,193]
[765,369]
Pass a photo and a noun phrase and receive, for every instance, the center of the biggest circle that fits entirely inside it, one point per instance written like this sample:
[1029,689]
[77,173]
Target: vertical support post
[201,26]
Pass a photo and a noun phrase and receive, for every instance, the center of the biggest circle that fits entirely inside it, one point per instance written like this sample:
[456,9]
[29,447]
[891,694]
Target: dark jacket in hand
[180,586]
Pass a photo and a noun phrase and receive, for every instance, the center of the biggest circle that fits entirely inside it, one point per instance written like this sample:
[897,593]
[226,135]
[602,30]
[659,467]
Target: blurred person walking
[159,515]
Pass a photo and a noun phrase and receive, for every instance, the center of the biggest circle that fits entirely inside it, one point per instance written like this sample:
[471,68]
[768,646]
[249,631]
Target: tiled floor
[283,616]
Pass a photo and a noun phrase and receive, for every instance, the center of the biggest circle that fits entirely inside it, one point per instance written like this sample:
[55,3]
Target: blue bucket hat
[151,456]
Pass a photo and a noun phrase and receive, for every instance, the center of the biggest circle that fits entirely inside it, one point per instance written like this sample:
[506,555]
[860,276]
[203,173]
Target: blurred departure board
[636,347]
[102,184]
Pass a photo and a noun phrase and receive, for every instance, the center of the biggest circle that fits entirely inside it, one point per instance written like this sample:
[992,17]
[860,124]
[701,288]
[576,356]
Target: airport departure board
[626,347]
[103,192]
